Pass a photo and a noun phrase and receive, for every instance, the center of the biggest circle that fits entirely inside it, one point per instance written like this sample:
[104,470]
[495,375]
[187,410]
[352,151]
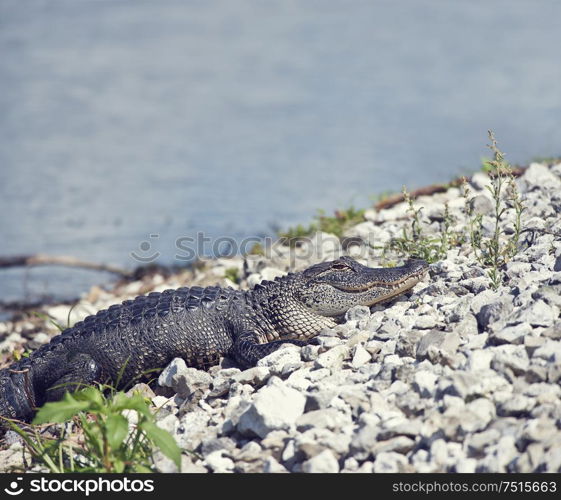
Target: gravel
[453,377]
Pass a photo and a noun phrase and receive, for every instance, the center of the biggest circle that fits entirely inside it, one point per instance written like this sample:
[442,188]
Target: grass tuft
[415,242]
[102,440]
[335,224]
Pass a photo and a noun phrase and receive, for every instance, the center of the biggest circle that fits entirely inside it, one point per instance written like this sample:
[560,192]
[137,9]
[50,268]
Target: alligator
[121,344]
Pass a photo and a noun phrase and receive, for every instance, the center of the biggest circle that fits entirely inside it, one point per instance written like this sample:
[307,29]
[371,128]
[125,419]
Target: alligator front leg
[247,350]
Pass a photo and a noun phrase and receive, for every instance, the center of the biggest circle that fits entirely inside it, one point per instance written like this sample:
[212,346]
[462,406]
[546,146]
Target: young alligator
[120,344]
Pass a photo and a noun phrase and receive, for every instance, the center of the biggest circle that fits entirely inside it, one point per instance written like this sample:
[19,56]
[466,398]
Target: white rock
[328,418]
[537,313]
[321,247]
[324,462]
[333,358]
[424,382]
[183,379]
[479,360]
[479,180]
[468,384]
[482,299]
[447,342]
[399,444]
[274,407]
[13,457]
[466,466]
[360,356]
[510,356]
[218,462]
[369,233]
[476,341]
[271,466]
[425,322]
[390,462]
[439,452]
[285,355]
[514,334]
[398,211]
[256,375]
[538,176]
[516,404]
[41,338]
[483,408]
[500,455]
[192,428]
[357,313]
[550,351]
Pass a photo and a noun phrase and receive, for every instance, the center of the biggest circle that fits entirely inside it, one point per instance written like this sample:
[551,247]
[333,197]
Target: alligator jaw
[385,284]
[391,290]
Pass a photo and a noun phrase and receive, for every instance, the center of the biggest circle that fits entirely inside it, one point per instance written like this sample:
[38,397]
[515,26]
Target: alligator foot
[247,351]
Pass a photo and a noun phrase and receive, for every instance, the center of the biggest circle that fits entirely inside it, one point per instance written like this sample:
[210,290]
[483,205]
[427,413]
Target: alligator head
[332,288]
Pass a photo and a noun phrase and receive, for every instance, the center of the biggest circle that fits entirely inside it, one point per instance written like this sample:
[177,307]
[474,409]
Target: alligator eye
[340,267]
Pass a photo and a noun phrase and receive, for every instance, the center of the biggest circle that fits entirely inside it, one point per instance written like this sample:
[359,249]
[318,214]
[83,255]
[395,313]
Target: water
[125,119]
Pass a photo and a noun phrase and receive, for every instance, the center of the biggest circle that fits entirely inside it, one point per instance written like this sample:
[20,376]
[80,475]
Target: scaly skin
[124,342]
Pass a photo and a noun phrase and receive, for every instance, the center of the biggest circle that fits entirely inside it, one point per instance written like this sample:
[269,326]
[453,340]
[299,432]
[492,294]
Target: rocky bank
[452,377]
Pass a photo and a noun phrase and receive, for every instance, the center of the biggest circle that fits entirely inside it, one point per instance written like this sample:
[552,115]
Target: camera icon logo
[144,256]
[14,487]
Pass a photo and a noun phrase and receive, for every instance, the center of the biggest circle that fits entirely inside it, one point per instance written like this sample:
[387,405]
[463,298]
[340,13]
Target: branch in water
[59,260]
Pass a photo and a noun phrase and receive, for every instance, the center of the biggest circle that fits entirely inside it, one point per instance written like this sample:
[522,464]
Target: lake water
[125,119]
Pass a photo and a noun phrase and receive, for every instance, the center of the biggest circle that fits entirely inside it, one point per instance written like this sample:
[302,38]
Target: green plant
[415,242]
[233,274]
[105,442]
[256,249]
[335,224]
[486,165]
[294,235]
[340,221]
[18,354]
[494,251]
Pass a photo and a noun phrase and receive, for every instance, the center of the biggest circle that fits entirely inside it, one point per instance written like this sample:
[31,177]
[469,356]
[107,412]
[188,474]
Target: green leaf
[91,394]
[142,468]
[136,402]
[60,411]
[117,428]
[163,440]
[94,437]
[119,466]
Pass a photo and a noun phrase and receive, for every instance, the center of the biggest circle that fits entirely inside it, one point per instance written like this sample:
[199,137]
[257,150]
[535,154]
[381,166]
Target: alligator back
[122,343]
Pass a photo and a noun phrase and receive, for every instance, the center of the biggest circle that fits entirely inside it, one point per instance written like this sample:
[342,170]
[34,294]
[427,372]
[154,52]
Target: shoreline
[455,377]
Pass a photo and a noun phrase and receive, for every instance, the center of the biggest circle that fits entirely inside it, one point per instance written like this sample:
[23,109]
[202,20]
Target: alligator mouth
[393,287]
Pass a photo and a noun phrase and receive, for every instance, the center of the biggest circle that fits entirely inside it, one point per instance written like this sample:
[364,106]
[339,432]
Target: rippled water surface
[130,118]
